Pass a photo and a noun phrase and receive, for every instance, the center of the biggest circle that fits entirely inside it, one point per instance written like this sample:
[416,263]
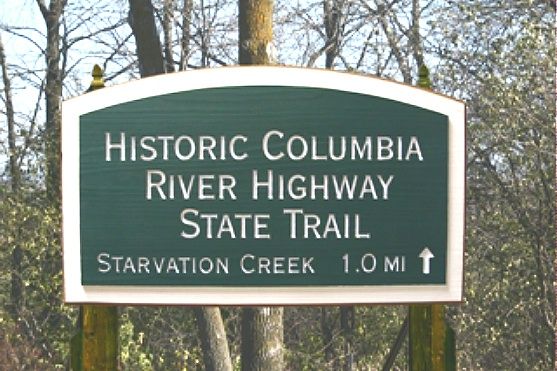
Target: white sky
[19,13]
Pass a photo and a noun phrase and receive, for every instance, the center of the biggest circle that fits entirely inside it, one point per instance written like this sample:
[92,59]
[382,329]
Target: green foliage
[32,225]
[159,338]
[507,320]
[372,334]
[131,355]
[499,57]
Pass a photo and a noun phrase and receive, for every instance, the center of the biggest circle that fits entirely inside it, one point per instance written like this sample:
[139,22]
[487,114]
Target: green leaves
[506,76]
[31,226]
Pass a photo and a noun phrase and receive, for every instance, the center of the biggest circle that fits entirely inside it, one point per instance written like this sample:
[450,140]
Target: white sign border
[75,292]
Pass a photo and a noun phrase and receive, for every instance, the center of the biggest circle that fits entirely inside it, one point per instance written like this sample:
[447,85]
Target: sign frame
[75,292]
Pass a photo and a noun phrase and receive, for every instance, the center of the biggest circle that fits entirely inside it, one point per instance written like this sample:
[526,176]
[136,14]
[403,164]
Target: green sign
[264,186]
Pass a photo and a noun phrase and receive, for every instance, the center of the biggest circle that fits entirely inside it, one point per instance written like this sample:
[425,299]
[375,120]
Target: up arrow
[426,255]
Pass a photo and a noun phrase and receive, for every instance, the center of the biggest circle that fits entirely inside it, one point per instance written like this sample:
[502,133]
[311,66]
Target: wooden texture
[432,341]
[100,338]
[432,345]
[95,346]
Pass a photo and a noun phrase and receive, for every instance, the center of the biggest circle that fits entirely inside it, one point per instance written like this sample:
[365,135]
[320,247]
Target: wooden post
[76,345]
[100,338]
[431,340]
[95,346]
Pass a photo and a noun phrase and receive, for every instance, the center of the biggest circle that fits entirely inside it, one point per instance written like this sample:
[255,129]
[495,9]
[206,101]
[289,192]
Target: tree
[511,179]
[30,220]
[10,119]
[142,22]
[16,289]
[262,327]
[498,56]
[211,328]
[53,92]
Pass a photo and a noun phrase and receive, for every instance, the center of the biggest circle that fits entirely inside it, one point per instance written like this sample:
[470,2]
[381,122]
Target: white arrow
[426,255]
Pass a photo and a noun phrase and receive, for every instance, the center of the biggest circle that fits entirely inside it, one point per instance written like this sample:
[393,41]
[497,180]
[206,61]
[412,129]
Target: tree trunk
[186,34]
[10,118]
[53,93]
[262,327]
[168,20]
[215,348]
[347,328]
[211,329]
[331,15]
[415,37]
[256,31]
[16,283]
[142,22]
[328,324]
[203,35]
[402,61]
[332,21]
[262,339]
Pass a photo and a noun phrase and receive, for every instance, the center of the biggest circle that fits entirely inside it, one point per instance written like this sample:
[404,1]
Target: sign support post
[431,339]
[100,337]
[95,347]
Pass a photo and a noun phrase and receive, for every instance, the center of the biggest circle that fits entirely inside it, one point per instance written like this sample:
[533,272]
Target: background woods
[497,56]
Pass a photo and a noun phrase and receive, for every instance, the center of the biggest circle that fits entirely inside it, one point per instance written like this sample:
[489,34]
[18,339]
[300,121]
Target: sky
[19,13]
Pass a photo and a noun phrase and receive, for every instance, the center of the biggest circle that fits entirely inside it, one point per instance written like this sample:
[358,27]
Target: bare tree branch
[10,118]
[42,8]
